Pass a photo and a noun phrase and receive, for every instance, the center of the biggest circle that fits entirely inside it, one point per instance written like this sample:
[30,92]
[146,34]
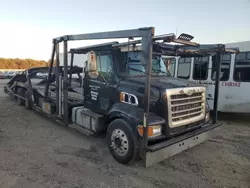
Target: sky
[27,27]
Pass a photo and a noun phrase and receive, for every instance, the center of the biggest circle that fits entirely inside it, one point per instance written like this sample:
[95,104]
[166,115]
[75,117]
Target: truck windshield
[130,65]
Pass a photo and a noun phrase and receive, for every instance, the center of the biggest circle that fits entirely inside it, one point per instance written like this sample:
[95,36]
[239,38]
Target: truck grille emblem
[188,92]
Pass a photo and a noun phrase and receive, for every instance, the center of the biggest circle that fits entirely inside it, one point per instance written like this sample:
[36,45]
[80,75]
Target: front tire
[121,141]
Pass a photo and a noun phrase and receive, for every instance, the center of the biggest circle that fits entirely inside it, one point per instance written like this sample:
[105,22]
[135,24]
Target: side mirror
[92,64]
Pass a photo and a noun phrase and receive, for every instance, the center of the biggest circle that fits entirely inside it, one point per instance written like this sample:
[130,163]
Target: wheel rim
[119,142]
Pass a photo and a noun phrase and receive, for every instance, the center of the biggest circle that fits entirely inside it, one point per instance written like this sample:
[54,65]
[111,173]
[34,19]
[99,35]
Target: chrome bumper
[175,145]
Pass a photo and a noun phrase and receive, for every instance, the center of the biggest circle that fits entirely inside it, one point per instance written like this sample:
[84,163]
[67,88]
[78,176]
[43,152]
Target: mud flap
[169,148]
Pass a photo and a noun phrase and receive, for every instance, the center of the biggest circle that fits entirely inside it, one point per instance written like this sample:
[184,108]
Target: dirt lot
[35,152]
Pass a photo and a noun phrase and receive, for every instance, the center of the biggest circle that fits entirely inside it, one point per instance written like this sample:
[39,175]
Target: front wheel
[121,141]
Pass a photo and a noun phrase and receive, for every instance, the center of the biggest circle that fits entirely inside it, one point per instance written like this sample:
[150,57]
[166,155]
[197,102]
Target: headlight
[153,130]
[207,117]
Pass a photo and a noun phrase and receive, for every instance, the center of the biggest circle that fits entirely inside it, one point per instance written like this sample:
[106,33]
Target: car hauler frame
[150,154]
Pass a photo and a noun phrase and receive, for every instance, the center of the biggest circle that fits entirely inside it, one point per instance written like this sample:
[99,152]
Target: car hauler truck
[122,89]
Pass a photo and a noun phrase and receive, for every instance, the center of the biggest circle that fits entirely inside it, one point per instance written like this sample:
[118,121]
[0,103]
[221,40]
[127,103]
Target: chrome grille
[185,105]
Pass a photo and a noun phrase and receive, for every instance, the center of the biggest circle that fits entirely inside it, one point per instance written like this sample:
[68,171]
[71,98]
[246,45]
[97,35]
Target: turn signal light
[153,130]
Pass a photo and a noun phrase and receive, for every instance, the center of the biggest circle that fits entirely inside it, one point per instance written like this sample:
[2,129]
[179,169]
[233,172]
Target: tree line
[16,63]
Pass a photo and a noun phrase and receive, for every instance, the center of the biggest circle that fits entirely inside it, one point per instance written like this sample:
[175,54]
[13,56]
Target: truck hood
[164,82]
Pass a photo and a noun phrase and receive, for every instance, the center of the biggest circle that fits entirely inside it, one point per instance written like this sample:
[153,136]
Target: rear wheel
[20,92]
[121,141]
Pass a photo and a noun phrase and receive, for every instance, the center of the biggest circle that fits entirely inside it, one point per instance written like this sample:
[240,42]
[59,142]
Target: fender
[132,114]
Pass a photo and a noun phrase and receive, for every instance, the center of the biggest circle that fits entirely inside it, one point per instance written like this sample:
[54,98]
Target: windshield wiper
[160,71]
[136,70]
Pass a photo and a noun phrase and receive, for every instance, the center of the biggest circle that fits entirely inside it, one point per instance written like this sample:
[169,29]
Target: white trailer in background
[234,77]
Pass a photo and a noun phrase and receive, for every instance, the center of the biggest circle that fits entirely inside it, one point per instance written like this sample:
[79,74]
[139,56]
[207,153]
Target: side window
[224,67]
[200,71]
[104,65]
[242,67]
[184,65]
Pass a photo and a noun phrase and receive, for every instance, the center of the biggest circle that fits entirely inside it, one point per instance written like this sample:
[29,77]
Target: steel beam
[155,38]
[60,97]
[50,71]
[71,66]
[127,43]
[186,42]
[232,50]
[57,78]
[203,47]
[65,83]
[108,35]
[87,48]
[217,84]
[146,57]
[30,89]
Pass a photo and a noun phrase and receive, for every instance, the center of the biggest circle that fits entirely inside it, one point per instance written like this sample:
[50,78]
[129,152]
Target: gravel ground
[35,152]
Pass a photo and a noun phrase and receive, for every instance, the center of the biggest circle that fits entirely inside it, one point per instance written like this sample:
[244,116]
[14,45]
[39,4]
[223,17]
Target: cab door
[99,87]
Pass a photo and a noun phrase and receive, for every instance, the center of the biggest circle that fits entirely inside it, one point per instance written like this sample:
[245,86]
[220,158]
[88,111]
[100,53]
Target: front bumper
[165,149]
